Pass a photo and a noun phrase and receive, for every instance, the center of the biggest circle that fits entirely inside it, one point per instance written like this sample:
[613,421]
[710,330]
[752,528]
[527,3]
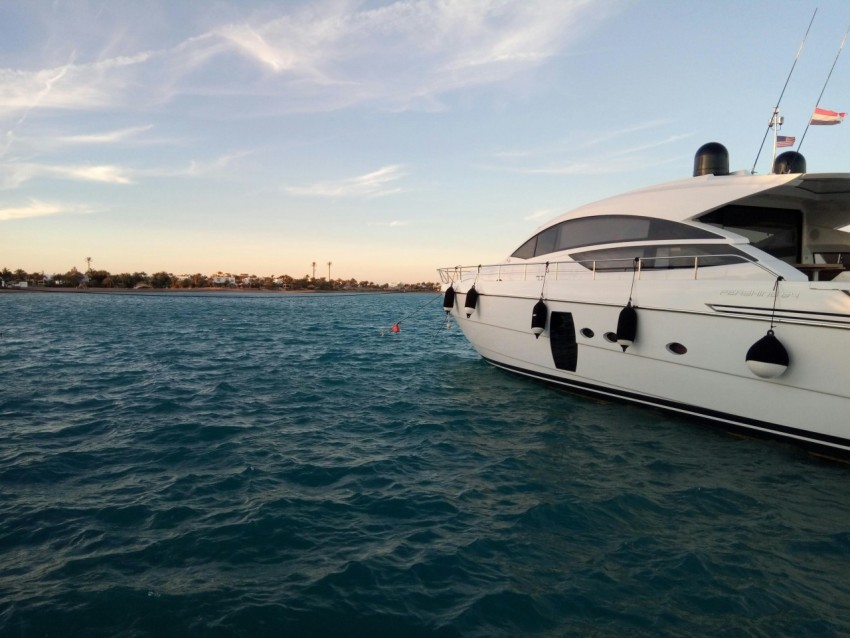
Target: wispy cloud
[617,161]
[578,141]
[391,224]
[103,173]
[39,208]
[326,55]
[273,58]
[541,214]
[13,175]
[42,142]
[94,85]
[600,162]
[24,92]
[375,184]
[199,168]
[106,137]
[599,138]
[254,45]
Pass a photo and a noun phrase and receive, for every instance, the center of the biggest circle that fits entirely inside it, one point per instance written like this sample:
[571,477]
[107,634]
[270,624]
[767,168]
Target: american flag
[785,140]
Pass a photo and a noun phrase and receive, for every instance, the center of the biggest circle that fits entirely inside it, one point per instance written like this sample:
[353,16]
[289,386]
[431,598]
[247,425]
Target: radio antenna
[776,108]
[817,104]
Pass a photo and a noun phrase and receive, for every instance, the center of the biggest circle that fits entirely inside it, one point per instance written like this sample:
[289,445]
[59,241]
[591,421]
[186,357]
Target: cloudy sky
[389,138]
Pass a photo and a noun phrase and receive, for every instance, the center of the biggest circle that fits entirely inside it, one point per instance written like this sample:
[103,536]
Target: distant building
[225,280]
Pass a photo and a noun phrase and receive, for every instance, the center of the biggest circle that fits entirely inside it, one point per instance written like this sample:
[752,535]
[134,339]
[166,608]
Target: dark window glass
[776,231]
[604,230]
[832,258]
[661,257]
[526,251]
[547,241]
[608,229]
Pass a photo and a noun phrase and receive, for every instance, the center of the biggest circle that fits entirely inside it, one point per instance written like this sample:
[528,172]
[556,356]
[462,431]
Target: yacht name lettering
[758,293]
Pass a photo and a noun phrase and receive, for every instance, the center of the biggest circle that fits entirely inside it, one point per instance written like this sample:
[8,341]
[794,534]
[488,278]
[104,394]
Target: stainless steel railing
[699,266]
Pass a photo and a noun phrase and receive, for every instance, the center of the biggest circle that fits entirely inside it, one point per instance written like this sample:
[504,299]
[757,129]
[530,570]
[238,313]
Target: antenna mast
[775,122]
[829,75]
[776,108]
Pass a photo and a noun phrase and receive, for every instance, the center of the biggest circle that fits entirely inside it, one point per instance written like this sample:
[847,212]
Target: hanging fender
[767,358]
[627,326]
[538,319]
[471,301]
[449,299]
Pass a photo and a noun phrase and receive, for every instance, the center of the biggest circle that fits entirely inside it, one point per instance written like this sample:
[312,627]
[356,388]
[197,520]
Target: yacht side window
[526,251]
[607,229]
[776,231]
[661,257]
[547,241]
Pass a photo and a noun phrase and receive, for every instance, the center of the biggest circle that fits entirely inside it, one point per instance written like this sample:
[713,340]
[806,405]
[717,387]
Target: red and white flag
[785,140]
[824,117]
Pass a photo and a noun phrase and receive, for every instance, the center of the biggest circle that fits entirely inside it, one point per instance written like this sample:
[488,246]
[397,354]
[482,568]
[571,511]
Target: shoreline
[197,291]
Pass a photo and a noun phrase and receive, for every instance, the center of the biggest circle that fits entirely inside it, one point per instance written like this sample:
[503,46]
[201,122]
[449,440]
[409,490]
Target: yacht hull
[740,284]
[688,358]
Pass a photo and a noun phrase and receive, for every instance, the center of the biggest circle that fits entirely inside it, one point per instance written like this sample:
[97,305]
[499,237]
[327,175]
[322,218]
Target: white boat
[724,295]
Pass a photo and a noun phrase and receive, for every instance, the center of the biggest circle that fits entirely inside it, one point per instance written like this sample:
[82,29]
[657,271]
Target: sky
[388,138]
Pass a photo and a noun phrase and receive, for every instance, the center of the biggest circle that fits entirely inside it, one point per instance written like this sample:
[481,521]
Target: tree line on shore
[104,279]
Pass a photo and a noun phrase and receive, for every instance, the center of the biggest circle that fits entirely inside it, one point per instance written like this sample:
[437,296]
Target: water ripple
[249,465]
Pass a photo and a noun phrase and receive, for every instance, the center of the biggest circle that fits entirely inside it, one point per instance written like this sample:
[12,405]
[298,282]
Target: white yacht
[724,296]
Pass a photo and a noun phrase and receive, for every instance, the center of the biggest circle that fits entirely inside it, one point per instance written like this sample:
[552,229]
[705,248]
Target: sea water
[286,465]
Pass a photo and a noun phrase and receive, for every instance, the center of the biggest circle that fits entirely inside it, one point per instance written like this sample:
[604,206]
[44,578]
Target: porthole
[676,348]
[587,333]
[610,337]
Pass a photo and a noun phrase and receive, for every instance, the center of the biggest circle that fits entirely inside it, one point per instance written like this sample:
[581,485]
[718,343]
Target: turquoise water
[284,465]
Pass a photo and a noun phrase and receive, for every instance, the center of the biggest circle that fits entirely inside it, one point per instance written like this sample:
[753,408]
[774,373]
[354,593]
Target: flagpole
[775,123]
[797,57]
[829,75]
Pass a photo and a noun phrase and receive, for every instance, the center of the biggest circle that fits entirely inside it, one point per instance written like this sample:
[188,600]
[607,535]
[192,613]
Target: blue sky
[389,138]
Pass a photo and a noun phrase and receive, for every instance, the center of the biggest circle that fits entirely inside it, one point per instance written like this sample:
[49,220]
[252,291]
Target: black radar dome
[711,159]
[789,162]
